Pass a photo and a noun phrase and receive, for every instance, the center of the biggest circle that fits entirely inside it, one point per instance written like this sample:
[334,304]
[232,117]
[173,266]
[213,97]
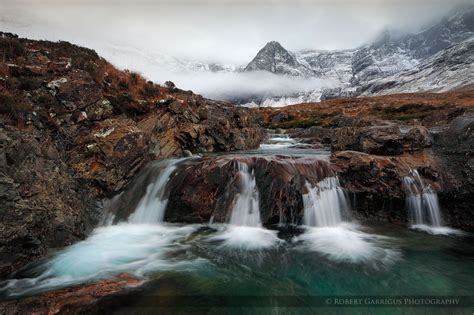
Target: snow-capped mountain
[449,69]
[438,58]
[276,59]
[392,53]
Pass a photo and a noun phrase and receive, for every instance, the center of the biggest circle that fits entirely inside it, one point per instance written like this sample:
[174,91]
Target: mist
[160,39]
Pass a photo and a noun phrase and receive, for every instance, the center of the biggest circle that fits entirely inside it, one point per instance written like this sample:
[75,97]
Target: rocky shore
[74,130]
[376,141]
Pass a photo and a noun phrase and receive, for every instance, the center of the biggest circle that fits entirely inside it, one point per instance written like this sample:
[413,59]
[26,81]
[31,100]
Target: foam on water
[437,230]
[328,234]
[135,249]
[245,238]
[278,141]
[347,243]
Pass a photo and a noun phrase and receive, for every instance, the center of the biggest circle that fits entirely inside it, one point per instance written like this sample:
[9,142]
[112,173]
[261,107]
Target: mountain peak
[273,45]
[274,58]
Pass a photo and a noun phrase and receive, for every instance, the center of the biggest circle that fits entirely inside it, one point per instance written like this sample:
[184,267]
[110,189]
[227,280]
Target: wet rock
[375,183]
[85,298]
[314,135]
[201,189]
[380,140]
[454,147]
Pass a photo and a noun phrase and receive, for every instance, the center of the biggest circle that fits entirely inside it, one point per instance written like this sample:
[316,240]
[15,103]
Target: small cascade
[278,141]
[325,204]
[422,201]
[246,210]
[151,208]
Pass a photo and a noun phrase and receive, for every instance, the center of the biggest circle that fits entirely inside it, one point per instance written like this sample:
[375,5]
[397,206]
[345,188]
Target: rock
[314,135]
[417,139]
[170,85]
[376,181]
[85,298]
[187,153]
[379,140]
[454,147]
[206,187]
[54,85]
[84,135]
[100,110]
[279,118]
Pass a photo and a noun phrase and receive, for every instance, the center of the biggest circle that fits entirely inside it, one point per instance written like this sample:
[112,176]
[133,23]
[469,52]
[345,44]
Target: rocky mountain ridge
[435,59]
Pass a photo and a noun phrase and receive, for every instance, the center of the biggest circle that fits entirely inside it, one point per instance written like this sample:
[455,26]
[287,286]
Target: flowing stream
[330,254]
[423,207]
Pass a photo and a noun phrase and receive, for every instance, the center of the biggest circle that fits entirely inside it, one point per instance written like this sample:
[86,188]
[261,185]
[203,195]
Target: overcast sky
[227,31]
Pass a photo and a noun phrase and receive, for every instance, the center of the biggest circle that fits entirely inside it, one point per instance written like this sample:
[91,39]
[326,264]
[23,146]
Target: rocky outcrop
[387,139]
[376,181]
[454,147]
[74,129]
[204,189]
[83,299]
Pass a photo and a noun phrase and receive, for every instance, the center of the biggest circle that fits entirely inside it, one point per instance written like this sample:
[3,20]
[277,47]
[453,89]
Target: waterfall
[325,203]
[151,208]
[278,141]
[246,210]
[421,201]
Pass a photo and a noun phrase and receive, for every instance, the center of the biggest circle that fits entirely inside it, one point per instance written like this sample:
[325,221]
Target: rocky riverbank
[376,141]
[74,129]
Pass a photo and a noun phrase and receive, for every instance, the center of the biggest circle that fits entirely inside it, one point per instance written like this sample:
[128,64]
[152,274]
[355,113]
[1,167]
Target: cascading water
[139,246]
[246,210]
[325,207]
[151,208]
[422,202]
[423,206]
[278,141]
[325,203]
[245,230]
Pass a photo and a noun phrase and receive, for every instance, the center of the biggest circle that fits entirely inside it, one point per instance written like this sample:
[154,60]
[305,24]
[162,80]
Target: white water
[324,203]
[278,141]
[246,210]
[327,234]
[245,231]
[245,238]
[423,206]
[151,208]
[135,249]
[347,243]
[138,247]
